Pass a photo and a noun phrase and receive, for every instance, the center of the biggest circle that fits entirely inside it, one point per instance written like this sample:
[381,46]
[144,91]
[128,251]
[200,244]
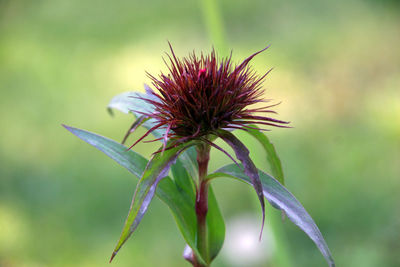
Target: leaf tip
[112,256]
[66,127]
[262,224]
[70,129]
[110,111]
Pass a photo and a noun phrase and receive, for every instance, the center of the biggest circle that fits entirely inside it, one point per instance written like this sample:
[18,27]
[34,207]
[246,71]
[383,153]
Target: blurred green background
[337,73]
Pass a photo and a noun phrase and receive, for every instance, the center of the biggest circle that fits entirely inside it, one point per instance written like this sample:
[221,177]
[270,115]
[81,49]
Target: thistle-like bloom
[200,99]
[201,95]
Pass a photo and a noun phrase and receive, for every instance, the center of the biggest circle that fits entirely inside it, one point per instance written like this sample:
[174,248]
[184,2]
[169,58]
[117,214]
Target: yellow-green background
[337,73]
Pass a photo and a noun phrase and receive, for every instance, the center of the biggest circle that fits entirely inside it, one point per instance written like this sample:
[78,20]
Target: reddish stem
[203,156]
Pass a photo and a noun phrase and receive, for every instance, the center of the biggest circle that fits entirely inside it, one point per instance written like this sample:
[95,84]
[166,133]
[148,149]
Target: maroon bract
[201,95]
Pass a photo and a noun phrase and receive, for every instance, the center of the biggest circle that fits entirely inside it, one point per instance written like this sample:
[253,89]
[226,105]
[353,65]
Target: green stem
[203,157]
[214,25]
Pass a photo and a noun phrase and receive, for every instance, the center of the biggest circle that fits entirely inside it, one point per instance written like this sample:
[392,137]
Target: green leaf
[157,169]
[189,161]
[183,212]
[242,153]
[183,181]
[167,191]
[215,226]
[272,156]
[282,199]
[130,160]
[133,102]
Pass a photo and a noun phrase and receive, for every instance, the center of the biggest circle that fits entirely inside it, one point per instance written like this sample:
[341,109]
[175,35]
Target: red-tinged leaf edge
[130,160]
[167,191]
[242,154]
[280,198]
[157,168]
[272,156]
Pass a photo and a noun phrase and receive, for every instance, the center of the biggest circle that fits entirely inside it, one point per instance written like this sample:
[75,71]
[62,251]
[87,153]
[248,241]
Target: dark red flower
[201,95]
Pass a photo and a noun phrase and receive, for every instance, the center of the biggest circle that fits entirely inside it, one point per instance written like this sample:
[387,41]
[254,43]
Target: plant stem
[203,156]
[214,24]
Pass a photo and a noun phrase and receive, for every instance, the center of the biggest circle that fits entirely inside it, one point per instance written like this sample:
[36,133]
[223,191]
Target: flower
[201,95]
[201,99]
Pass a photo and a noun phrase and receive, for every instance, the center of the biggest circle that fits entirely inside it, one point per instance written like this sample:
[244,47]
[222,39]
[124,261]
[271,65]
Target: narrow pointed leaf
[157,169]
[167,191]
[183,181]
[130,160]
[215,226]
[183,211]
[189,161]
[242,153]
[132,102]
[272,156]
[282,199]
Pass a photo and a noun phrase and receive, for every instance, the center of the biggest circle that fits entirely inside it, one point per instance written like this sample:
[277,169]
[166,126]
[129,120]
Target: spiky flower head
[203,94]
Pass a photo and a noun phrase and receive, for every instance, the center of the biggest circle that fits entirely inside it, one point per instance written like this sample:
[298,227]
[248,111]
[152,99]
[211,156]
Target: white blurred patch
[242,246]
